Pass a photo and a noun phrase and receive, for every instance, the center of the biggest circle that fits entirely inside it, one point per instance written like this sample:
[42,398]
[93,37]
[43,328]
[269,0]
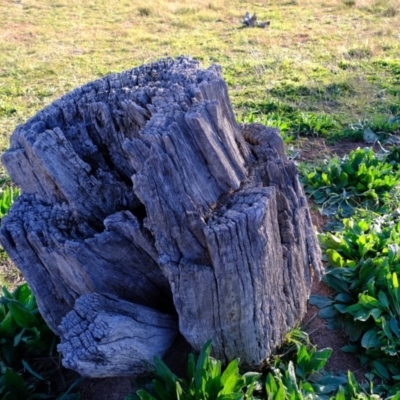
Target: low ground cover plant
[28,357]
[294,372]
[364,270]
[8,194]
[363,179]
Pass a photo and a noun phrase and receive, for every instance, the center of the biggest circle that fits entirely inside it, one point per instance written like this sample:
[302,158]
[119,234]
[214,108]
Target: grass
[334,57]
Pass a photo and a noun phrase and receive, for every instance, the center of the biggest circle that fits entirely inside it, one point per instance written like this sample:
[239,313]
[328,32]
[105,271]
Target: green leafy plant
[273,119]
[294,371]
[8,194]
[22,329]
[380,125]
[205,380]
[294,123]
[315,124]
[25,342]
[364,261]
[361,179]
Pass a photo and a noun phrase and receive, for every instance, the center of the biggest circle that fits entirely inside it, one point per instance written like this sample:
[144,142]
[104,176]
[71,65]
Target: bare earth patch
[315,326]
[315,149]
[322,337]
[10,276]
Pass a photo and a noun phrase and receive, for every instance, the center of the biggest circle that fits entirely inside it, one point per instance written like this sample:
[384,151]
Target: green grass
[318,57]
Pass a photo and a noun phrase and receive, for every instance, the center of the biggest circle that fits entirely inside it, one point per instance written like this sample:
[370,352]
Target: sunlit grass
[336,60]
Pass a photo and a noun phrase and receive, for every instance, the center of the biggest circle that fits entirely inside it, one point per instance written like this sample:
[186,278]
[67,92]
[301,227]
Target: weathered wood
[103,333]
[144,203]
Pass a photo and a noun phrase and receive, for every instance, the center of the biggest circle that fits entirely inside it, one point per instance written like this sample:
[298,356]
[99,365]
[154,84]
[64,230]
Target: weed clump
[144,11]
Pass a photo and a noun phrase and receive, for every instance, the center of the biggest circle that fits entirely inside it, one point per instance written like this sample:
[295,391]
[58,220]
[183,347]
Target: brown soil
[318,331]
[313,149]
[9,274]
[322,337]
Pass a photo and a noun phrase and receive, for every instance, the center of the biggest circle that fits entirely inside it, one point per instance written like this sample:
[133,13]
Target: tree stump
[148,211]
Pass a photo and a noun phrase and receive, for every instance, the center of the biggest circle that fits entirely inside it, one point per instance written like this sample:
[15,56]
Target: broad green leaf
[341,394]
[328,240]
[14,386]
[359,312]
[327,312]
[350,348]
[215,368]
[291,381]
[343,298]
[319,359]
[303,356]
[395,280]
[354,329]
[191,366]
[7,294]
[368,301]
[383,299]
[214,387]
[325,178]
[386,328]
[230,396]
[376,313]
[307,388]
[270,386]
[7,326]
[342,308]
[370,339]
[22,317]
[232,383]
[23,294]
[165,374]
[394,326]
[201,365]
[336,283]
[144,395]
[231,370]
[334,258]
[319,301]
[281,392]
[18,337]
[381,369]
[178,391]
[352,382]
[162,390]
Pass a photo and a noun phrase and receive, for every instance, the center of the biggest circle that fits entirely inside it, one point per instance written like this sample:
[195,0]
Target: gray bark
[145,207]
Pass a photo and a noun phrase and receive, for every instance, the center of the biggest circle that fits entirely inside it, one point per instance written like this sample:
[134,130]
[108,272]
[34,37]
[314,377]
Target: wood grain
[141,192]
